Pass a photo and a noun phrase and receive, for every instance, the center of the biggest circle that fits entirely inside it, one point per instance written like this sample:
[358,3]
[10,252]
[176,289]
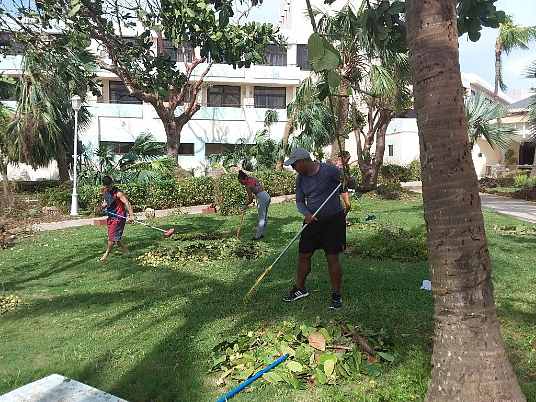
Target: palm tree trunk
[337,146]
[469,357]
[284,140]
[63,168]
[6,187]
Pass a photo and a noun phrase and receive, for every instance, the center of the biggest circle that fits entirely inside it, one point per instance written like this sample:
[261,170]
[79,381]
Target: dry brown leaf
[317,341]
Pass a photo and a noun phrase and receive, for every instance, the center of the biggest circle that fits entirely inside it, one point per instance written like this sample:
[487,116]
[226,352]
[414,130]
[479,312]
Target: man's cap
[297,154]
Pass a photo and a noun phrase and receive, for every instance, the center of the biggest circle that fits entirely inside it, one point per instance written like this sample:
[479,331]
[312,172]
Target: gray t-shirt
[312,191]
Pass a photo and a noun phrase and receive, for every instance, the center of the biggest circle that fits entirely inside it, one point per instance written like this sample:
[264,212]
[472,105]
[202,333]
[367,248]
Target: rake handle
[124,217]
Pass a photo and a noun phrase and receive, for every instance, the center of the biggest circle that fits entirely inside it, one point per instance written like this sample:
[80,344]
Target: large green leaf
[315,48]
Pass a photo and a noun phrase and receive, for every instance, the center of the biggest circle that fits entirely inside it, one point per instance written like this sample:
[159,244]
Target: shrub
[391,191]
[415,170]
[524,181]
[59,197]
[229,193]
[38,186]
[392,173]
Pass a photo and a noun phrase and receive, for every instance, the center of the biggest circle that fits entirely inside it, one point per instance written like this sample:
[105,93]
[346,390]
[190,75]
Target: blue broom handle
[250,380]
[113,213]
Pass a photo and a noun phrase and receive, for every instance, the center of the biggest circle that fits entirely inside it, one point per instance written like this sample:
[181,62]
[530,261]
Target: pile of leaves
[516,230]
[318,354]
[390,242]
[9,302]
[201,247]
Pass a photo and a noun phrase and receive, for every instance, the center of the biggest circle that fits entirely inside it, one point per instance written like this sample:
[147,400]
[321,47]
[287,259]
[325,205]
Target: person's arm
[125,201]
[346,198]
[249,189]
[300,203]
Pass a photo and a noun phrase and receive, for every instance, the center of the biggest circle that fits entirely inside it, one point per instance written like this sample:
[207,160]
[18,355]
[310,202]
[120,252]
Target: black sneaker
[296,294]
[336,301]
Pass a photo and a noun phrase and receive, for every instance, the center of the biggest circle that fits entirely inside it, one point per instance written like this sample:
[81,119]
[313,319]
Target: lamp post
[76,103]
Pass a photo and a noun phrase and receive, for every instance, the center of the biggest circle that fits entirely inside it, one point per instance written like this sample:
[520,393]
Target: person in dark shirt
[326,230]
[115,201]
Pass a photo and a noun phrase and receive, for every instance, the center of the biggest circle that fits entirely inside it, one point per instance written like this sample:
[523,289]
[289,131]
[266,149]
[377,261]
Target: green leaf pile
[201,248]
[318,354]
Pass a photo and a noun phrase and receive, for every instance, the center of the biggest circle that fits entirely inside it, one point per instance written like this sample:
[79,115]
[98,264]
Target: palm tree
[510,37]
[481,122]
[530,72]
[469,357]
[43,126]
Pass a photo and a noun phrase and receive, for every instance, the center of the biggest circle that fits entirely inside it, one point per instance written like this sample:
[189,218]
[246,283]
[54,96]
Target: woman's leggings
[263,201]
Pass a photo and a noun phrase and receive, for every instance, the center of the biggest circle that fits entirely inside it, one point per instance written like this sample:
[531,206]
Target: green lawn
[145,334]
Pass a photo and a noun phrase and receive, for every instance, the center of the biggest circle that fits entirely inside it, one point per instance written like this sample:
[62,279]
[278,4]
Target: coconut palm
[469,359]
[510,37]
[482,115]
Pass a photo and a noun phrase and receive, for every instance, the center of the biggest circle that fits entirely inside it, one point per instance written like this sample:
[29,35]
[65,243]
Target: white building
[235,104]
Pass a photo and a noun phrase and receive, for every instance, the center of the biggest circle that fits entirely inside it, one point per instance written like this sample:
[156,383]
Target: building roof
[522,105]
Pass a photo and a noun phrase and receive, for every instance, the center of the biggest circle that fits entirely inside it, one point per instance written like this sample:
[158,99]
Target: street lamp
[76,102]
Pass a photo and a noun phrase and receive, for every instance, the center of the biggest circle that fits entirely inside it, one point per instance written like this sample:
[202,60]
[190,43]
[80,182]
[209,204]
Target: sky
[475,57]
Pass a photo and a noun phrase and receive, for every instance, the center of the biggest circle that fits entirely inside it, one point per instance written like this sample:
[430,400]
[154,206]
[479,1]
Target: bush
[39,186]
[392,173]
[59,197]
[158,195]
[415,170]
[391,191]
[229,193]
[524,181]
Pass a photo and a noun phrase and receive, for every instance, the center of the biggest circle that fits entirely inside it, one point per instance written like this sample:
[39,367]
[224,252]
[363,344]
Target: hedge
[226,192]
[229,194]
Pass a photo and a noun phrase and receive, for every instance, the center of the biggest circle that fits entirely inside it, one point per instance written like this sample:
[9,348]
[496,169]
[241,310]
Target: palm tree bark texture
[469,357]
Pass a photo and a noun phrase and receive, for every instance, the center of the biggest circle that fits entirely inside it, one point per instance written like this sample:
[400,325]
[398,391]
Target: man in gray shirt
[326,230]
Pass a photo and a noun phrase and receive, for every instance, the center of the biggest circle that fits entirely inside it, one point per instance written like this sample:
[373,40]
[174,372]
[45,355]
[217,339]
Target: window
[217,148]
[223,95]
[270,97]
[186,148]
[302,59]
[184,53]
[391,150]
[9,45]
[119,148]
[119,94]
[275,56]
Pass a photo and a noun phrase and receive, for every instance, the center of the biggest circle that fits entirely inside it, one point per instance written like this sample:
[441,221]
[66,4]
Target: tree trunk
[284,140]
[498,51]
[63,169]
[6,186]
[469,357]
[337,146]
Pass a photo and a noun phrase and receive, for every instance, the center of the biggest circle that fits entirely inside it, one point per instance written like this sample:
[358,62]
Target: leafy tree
[482,118]
[509,37]
[152,75]
[469,357]
[43,126]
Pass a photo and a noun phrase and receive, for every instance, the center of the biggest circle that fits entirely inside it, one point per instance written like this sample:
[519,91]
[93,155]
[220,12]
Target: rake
[167,233]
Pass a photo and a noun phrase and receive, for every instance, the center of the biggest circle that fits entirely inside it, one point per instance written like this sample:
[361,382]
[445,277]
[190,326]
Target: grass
[145,334]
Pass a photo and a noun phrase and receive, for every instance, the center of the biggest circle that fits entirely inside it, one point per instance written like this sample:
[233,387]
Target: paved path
[521,209]
[196,209]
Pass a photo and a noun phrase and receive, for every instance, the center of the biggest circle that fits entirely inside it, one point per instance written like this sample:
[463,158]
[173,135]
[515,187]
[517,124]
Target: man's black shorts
[328,234]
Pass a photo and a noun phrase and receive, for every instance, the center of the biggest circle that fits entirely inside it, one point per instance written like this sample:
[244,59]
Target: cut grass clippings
[145,333]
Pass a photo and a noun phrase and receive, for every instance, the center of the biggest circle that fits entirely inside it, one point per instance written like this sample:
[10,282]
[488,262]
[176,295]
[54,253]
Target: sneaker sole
[334,308]
[297,298]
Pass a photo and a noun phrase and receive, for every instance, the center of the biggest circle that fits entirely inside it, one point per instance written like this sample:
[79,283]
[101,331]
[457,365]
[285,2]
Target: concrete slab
[57,388]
